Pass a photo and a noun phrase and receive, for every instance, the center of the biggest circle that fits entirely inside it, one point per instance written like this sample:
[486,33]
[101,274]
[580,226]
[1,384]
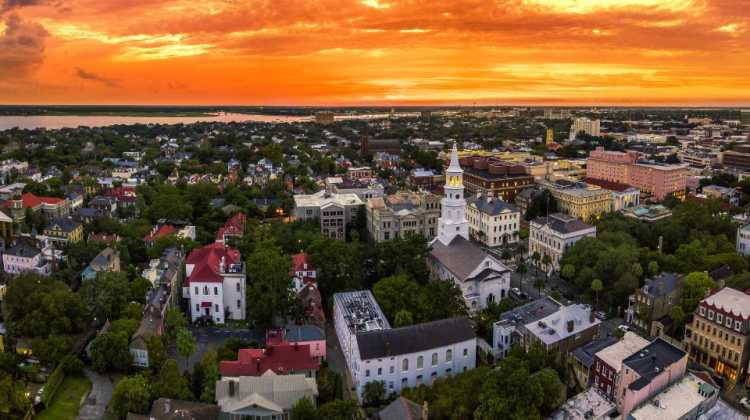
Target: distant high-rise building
[586,125]
[324,117]
[556,114]
[550,136]
[745,116]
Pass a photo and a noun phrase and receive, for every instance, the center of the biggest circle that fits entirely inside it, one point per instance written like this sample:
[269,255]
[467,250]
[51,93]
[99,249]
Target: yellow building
[579,201]
[64,231]
[550,136]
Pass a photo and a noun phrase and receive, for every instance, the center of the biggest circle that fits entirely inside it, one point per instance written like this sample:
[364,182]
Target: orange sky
[352,52]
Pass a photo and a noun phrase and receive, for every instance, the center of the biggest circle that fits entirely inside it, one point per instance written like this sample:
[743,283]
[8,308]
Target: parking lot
[211,338]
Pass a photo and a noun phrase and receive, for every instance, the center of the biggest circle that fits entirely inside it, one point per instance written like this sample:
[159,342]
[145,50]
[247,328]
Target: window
[216,307]
[405,365]
[197,308]
[391,369]
[216,290]
[238,286]
[205,290]
[420,362]
[239,304]
[196,290]
[466,352]
[434,359]
[380,371]
[367,373]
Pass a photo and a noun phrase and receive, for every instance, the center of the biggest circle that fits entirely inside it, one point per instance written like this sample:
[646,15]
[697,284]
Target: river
[70,121]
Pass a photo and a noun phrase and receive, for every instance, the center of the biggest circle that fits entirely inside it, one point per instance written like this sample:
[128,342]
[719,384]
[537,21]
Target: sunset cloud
[376,51]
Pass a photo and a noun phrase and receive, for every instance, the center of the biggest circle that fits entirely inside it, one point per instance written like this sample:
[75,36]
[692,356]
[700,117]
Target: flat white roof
[554,327]
[730,300]
[616,353]
[676,401]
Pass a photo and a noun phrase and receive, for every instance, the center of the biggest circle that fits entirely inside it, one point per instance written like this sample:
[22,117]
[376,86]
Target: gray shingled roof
[651,360]
[661,285]
[490,205]
[414,338]
[562,223]
[460,257]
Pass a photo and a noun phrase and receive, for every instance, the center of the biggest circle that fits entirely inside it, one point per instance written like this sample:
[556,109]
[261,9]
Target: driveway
[98,398]
[211,338]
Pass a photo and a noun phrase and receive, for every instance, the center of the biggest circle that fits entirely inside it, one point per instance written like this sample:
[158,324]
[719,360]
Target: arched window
[420,362]
[405,365]
[448,355]
[434,359]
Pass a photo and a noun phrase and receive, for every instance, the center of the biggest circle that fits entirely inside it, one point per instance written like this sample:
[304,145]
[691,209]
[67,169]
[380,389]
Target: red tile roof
[161,232]
[299,261]
[282,358]
[206,262]
[235,226]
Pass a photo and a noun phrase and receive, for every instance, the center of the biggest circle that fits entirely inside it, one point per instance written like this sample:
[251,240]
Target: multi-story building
[399,357]
[64,231]
[107,261]
[647,213]
[623,196]
[719,336]
[324,117]
[215,284]
[718,192]
[653,179]
[585,125]
[556,114]
[579,200]
[563,330]
[269,396]
[743,240]
[525,198]
[283,358]
[359,172]
[690,398]
[654,301]
[490,176]
[581,359]
[553,235]
[507,331]
[482,278]
[365,188]
[738,157]
[425,179]
[647,372]
[492,221]
[334,211]
[24,258]
[402,214]
[607,365]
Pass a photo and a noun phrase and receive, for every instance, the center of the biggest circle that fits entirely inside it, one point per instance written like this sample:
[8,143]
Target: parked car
[516,291]
[745,403]
[623,328]
[601,315]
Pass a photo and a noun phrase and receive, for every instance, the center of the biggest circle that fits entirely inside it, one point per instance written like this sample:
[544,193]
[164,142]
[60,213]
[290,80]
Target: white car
[516,291]
[745,402]
[623,328]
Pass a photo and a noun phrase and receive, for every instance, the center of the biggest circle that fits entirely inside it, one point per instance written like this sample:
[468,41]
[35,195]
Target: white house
[554,234]
[743,240]
[482,278]
[399,357]
[215,284]
[492,221]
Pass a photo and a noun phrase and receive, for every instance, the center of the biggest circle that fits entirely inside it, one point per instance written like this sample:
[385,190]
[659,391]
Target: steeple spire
[454,166]
[453,221]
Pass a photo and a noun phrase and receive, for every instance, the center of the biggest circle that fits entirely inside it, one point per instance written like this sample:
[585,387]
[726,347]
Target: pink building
[657,180]
[309,335]
[647,372]
[24,258]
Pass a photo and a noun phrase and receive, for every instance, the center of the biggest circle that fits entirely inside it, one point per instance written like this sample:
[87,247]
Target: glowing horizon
[375,52]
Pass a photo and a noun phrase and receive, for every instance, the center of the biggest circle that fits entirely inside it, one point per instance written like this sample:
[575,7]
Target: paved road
[336,361]
[98,398]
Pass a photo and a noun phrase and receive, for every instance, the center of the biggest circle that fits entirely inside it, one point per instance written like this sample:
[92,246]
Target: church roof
[460,256]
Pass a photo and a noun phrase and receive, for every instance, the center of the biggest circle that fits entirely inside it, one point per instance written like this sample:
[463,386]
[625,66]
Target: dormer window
[719,318]
[710,314]
[702,311]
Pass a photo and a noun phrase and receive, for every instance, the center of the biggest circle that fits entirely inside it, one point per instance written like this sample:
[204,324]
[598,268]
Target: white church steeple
[452,220]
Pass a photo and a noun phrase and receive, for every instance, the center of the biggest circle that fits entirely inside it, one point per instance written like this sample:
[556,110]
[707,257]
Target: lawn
[66,403]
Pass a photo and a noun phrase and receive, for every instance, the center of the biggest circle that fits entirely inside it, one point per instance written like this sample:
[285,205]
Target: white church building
[482,278]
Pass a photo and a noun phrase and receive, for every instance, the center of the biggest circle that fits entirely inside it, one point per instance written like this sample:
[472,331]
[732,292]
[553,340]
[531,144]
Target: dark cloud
[87,75]
[21,47]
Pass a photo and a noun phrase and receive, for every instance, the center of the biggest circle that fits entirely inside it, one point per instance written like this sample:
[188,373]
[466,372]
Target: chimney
[221,264]
[571,325]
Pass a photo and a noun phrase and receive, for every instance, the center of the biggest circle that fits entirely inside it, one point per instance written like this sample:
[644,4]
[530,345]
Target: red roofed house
[215,284]
[163,230]
[125,196]
[234,227]
[51,207]
[283,358]
[305,285]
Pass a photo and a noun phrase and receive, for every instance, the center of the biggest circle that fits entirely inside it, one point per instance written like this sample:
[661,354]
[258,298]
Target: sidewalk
[98,398]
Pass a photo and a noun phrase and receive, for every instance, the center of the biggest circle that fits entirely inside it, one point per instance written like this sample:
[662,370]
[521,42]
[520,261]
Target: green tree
[13,401]
[185,343]
[546,262]
[568,272]
[171,383]
[106,295]
[174,320]
[403,318]
[522,269]
[304,409]
[653,268]
[340,410]
[110,351]
[139,287]
[637,270]
[269,288]
[52,349]
[157,352]
[397,293]
[373,393]
[695,287]
[131,395]
[210,367]
[596,287]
